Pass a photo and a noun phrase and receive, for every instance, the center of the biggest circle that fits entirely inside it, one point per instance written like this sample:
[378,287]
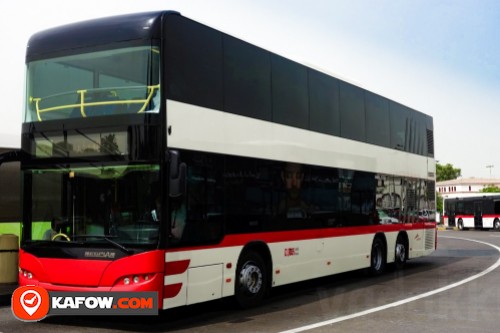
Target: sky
[439,57]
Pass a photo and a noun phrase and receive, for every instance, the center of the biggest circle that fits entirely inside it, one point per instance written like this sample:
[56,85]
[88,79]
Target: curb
[445,228]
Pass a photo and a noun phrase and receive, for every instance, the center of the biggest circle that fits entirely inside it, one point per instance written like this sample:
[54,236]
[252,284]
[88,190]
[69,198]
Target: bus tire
[400,251]
[496,224]
[378,258]
[251,280]
[460,224]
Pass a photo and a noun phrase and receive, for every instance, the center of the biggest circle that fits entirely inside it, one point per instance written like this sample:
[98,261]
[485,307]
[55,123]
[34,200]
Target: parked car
[385,218]
[427,215]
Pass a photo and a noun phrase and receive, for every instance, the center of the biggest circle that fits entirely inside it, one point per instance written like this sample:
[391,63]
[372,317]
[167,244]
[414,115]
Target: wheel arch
[378,261]
[496,224]
[382,237]
[262,249]
[406,239]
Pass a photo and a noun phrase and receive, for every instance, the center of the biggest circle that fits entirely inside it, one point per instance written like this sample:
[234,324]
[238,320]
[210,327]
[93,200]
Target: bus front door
[451,215]
[478,215]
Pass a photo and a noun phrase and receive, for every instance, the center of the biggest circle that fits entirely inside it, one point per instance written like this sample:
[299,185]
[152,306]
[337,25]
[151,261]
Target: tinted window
[357,197]
[352,112]
[207,68]
[324,103]
[399,122]
[377,120]
[411,132]
[193,63]
[289,89]
[119,81]
[230,194]
[247,79]
[421,134]
[199,218]
[250,197]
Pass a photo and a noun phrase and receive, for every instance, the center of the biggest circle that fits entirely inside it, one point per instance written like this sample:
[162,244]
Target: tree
[439,203]
[491,189]
[447,172]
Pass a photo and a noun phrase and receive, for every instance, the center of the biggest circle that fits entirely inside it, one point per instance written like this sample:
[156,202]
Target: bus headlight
[25,273]
[135,279]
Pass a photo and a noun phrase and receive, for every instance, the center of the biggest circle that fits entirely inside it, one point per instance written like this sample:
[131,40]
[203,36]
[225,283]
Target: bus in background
[160,154]
[479,211]
[10,196]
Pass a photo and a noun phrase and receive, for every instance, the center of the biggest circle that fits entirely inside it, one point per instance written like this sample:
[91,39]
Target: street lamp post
[490,167]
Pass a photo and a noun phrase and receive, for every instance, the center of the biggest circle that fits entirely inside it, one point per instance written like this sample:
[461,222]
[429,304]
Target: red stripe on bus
[464,216]
[307,234]
[172,290]
[176,267]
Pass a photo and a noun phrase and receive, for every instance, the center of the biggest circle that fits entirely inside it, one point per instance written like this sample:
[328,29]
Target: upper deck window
[110,82]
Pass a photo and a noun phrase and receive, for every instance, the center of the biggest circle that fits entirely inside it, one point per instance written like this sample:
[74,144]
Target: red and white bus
[479,211]
[159,154]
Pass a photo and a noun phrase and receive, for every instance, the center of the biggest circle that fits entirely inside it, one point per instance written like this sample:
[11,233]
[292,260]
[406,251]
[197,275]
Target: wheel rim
[251,278]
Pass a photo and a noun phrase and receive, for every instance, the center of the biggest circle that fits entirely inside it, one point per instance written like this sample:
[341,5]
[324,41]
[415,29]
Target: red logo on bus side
[291,251]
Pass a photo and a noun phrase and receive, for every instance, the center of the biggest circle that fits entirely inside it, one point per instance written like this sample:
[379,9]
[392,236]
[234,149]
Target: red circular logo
[30,303]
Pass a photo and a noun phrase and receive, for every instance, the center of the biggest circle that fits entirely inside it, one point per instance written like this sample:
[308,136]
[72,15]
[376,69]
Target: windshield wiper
[109,240]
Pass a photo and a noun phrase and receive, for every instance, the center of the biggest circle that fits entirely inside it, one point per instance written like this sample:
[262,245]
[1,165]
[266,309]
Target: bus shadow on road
[335,294]
[330,296]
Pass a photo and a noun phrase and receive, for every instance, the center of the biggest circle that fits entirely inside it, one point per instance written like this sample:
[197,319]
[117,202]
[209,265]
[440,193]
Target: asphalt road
[455,289]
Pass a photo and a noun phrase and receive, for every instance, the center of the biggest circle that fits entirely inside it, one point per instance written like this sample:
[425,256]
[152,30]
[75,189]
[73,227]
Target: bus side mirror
[177,175]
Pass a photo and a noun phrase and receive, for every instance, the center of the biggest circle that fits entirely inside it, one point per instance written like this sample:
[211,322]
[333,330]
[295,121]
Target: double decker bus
[479,211]
[159,154]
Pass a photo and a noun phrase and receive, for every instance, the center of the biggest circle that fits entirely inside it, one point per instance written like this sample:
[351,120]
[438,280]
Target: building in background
[463,187]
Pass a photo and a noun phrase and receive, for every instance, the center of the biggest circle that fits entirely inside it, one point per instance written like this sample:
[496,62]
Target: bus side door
[451,214]
[478,215]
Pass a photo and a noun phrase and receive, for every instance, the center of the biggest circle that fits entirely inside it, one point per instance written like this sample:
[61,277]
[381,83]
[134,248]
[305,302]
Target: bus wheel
[251,280]
[400,252]
[378,257]
[496,225]
[460,224]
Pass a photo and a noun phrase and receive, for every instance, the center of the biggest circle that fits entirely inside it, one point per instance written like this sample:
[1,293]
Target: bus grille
[430,239]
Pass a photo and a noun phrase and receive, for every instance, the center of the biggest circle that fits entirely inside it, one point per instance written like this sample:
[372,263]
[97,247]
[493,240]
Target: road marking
[407,300]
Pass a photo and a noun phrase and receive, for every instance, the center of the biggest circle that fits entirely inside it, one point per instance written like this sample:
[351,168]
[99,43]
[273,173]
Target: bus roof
[459,196]
[97,32]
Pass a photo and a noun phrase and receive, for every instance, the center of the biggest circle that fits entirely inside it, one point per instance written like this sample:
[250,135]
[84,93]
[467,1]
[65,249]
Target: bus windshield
[96,203]
[110,82]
